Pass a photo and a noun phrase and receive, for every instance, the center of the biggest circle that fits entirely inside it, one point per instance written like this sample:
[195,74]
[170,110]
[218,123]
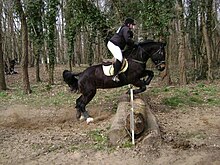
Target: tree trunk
[181,59]
[99,54]
[45,56]
[51,24]
[206,26]
[63,48]
[2,72]
[24,30]
[10,31]
[37,65]
[78,49]
[165,75]
[31,53]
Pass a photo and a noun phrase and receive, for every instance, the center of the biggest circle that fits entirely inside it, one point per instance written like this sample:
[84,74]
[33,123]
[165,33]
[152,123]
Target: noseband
[162,62]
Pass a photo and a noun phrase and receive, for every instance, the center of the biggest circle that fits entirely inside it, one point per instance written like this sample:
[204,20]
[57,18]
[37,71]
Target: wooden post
[132,115]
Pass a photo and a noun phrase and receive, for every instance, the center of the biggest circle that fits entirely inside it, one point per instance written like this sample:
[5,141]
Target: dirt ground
[50,135]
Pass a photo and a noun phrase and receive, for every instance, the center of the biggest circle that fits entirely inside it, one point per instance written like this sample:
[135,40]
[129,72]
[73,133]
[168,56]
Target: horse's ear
[164,44]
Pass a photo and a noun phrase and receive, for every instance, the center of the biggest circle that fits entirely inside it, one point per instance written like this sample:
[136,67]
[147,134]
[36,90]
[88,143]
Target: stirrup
[115,78]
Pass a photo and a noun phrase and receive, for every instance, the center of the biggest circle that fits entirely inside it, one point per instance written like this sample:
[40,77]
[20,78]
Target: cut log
[140,117]
[145,123]
[117,132]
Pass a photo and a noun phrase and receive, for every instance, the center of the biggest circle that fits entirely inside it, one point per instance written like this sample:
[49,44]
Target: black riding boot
[117,67]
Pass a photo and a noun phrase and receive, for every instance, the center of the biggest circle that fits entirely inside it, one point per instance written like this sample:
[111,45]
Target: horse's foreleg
[150,75]
[141,84]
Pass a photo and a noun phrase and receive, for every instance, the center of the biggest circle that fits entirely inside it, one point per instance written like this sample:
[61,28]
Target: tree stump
[145,124]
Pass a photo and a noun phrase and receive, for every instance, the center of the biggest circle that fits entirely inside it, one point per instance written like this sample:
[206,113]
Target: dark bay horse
[10,69]
[92,78]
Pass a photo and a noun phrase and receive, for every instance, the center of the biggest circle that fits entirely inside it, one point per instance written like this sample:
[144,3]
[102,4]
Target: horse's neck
[138,54]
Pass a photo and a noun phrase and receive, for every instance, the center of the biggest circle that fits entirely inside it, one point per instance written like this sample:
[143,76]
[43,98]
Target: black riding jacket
[123,37]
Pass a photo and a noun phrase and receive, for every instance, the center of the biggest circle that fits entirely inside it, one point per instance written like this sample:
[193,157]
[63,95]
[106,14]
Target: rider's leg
[116,51]
[117,67]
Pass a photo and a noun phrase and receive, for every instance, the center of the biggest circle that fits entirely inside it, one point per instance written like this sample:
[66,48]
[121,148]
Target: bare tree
[206,29]
[2,73]
[181,44]
[24,31]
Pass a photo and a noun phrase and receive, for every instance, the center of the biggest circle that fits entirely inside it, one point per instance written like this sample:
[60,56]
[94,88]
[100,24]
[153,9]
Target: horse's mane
[149,42]
[130,52]
[142,43]
[146,42]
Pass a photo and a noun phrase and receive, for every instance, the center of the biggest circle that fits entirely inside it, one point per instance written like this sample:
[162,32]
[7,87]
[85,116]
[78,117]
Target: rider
[117,43]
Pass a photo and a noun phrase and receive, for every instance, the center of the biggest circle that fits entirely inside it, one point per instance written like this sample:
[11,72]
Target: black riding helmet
[129,21]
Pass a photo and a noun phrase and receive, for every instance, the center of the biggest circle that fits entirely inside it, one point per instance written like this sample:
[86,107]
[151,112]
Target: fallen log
[145,124]
[140,117]
[117,132]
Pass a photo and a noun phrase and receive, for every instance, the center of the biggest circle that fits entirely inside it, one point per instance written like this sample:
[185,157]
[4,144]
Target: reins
[143,62]
[137,61]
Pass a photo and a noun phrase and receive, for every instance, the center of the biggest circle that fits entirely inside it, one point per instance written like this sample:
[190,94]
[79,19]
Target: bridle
[159,51]
[160,63]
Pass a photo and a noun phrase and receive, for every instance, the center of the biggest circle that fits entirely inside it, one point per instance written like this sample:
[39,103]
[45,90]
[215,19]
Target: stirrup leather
[115,78]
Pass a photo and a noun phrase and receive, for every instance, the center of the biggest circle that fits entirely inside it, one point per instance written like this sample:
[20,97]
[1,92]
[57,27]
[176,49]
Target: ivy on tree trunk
[24,31]
[51,25]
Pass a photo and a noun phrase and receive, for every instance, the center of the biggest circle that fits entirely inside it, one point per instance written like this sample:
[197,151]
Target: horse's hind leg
[83,100]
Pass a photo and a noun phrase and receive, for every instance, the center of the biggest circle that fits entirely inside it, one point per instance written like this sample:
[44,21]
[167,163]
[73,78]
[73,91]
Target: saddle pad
[109,69]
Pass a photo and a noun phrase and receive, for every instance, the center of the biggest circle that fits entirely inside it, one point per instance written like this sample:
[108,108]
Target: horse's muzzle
[161,66]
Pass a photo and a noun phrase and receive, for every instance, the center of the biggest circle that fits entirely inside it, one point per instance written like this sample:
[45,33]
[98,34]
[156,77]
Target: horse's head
[155,51]
[158,57]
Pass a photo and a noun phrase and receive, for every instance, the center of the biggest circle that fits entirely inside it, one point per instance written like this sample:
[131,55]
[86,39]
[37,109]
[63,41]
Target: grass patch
[3,94]
[173,101]
[127,144]
[192,95]
[196,135]
[99,138]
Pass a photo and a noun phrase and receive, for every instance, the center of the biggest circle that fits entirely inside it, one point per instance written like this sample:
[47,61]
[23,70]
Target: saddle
[108,67]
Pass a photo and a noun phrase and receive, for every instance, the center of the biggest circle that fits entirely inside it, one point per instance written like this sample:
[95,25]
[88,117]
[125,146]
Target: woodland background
[73,32]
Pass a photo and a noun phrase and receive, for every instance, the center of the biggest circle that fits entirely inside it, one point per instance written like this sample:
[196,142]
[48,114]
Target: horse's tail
[71,79]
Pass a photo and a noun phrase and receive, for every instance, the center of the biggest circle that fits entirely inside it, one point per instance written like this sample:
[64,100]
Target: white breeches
[115,50]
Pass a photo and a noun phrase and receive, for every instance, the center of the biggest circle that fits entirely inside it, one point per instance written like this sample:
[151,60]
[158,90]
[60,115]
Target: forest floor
[41,128]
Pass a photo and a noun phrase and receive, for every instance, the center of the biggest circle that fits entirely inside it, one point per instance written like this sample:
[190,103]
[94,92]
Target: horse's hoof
[78,114]
[81,118]
[89,120]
